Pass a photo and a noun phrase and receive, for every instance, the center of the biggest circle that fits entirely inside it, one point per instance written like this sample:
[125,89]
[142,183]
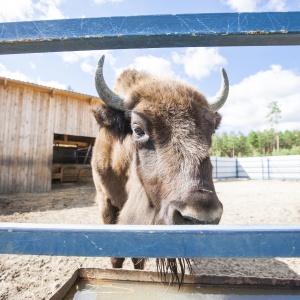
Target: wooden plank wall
[29,116]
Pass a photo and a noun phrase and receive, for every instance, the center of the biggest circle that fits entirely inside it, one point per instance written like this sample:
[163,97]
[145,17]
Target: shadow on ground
[65,196]
[265,268]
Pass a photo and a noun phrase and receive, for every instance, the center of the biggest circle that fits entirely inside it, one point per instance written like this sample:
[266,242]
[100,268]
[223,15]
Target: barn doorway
[72,158]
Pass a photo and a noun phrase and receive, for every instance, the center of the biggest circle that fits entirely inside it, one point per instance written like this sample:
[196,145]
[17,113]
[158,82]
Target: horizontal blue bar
[151,241]
[190,30]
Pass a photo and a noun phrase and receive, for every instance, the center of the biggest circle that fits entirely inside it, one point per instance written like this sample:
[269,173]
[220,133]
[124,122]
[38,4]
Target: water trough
[91,283]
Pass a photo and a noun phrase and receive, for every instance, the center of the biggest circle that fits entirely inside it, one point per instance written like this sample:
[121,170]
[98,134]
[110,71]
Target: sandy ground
[245,202]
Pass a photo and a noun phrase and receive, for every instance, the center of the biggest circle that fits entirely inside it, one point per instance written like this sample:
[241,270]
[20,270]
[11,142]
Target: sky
[257,75]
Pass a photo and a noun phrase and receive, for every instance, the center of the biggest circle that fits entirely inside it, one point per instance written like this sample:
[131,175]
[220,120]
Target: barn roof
[51,90]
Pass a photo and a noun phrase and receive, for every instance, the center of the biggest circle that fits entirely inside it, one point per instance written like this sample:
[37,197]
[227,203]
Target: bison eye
[139,131]
[139,134]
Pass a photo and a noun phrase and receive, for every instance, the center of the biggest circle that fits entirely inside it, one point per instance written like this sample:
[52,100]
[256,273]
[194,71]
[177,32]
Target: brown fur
[163,176]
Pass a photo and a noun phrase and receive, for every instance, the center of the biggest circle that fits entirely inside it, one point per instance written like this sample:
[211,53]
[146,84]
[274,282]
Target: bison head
[161,130]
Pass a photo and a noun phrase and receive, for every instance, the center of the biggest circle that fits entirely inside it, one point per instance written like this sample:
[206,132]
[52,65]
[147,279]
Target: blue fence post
[216,167]
[268,160]
[236,168]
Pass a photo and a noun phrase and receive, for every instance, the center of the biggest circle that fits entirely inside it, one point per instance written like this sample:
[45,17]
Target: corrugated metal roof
[7,80]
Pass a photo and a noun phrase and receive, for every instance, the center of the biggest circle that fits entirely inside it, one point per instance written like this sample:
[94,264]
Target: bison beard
[151,162]
[163,265]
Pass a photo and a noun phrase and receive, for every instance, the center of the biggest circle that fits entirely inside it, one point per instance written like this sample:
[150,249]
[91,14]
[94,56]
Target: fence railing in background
[193,30]
[272,167]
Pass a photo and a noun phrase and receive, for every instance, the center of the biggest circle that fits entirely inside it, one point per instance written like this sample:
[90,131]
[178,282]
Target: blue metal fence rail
[195,30]
[236,29]
[151,241]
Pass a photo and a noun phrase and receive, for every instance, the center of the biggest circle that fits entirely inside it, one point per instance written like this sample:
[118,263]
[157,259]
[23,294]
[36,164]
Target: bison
[151,162]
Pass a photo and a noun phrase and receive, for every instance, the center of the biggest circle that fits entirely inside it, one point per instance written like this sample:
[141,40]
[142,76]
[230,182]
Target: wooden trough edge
[94,274]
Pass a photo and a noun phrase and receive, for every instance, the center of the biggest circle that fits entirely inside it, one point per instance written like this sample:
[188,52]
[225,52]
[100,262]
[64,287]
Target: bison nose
[198,208]
[181,219]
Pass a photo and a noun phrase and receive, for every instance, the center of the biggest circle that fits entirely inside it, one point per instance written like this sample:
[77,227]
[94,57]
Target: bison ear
[212,119]
[112,119]
[217,120]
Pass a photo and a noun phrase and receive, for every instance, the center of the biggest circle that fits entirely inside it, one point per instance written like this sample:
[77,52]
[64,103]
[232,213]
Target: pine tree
[273,117]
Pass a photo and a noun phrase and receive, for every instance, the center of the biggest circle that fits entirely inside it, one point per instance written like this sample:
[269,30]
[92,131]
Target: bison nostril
[180,219]
[187,220]
[191,221]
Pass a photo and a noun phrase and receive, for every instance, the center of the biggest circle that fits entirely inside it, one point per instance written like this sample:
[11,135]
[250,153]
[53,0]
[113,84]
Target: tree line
[256,143]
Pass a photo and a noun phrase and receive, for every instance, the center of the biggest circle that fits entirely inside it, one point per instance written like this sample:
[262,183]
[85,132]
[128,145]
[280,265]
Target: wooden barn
[46,134]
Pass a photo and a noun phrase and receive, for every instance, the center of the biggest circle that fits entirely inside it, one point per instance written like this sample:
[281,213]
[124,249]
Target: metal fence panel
[224,167]
[272,167]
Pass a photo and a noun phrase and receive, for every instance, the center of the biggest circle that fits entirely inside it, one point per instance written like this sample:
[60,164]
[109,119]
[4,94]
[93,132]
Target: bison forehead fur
[151,160]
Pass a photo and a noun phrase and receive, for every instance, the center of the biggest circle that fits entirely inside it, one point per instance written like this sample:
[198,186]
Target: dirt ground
[245,202]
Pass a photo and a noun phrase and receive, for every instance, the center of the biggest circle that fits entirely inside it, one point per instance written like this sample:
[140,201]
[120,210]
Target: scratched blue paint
[150,241]
[230,29]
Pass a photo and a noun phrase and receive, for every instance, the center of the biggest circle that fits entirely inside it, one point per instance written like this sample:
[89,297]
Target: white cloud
[15,10]
[49,9]
[237,5]
[53,83]
[199,62]
[276,5]
[256,5]
[4,72]
[77,56]
[246,107]
[87,68]
[28,10]
[87,59]
[155,65]
[17,75]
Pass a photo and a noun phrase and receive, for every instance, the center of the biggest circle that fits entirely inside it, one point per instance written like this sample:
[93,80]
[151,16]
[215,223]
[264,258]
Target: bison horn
[105,93]
[222,95]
